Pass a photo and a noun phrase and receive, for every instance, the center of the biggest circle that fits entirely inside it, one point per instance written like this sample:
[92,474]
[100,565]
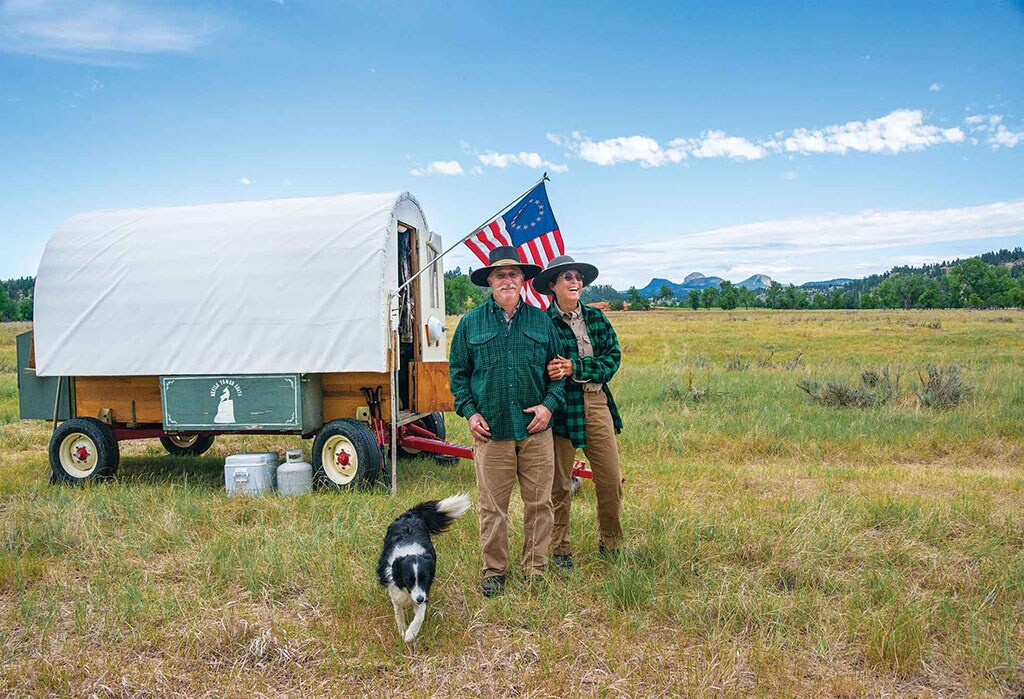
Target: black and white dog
[407,561]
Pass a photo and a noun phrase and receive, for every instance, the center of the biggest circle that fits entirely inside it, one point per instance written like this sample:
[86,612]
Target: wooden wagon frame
[320,317]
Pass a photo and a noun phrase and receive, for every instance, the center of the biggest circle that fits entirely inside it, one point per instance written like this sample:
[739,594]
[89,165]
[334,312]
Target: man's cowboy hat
[557,266]
[504,256]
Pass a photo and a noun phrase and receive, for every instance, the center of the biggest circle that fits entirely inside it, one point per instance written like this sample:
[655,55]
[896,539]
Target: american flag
[531,228]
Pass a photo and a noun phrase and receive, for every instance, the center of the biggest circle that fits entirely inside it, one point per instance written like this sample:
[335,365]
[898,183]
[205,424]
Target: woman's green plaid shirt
[569,422]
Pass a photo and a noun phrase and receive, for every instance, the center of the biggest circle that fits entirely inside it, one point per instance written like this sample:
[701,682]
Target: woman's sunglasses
[571,276]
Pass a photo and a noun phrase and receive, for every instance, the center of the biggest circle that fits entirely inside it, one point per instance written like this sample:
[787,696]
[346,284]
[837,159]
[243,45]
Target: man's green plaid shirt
[498,369]
[570,421]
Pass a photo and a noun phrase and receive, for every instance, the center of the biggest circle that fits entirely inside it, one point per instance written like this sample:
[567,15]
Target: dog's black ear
[427,572]
[396,574]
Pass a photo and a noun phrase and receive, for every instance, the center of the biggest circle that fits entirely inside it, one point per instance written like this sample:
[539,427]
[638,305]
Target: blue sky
[802,140]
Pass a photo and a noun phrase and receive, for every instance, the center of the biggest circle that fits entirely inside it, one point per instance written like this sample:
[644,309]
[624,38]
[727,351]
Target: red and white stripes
[538,251]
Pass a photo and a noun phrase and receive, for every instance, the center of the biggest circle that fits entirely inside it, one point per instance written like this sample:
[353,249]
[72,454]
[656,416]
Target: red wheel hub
[81,453]
[342,458]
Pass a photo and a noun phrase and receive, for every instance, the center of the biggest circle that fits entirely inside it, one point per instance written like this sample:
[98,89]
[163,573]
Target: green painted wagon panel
[239,403]
[36,394]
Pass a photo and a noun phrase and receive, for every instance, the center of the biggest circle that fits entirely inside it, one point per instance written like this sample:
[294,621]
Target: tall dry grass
[784,548]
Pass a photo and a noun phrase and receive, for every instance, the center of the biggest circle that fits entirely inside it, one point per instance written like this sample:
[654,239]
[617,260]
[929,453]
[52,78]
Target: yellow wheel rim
[339,459]
[78,455]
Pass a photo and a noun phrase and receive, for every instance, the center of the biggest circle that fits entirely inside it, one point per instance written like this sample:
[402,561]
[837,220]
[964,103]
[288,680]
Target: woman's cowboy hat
[504,256]
[557,266]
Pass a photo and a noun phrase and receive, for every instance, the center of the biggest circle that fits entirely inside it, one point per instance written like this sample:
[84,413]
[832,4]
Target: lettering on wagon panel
[226,406]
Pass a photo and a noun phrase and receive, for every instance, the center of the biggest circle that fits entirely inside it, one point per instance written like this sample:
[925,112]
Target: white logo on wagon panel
[226,406]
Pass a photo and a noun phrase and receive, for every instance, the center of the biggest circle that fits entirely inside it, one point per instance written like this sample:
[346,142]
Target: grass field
[785,548]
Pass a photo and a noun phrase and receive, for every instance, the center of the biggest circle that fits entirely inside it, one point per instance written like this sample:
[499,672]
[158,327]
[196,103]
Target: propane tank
[294,475]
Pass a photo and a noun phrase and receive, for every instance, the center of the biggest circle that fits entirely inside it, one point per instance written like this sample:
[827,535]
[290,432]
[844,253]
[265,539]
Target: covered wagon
[321,317]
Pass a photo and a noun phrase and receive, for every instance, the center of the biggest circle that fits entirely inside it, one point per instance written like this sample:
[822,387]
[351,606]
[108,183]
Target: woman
[590,419]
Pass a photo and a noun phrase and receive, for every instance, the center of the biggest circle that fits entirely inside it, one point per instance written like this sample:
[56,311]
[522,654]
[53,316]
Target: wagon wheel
[83,449]
[187,444]
[345,455]
[434,424]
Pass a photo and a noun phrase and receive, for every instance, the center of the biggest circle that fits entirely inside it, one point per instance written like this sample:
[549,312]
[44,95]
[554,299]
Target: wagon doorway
[420,316]
[406,312]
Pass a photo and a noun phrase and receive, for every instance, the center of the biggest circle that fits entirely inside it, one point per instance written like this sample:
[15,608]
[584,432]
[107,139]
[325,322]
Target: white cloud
[1004,138]
[439,167]
[100,32]
[898,131]
[715,144]
[244,181]
[917,260]
[529,159]
[476,170]
[791,244]
[626,149]
[493,159]
[999,136]
[983,122]
[742,271]
[934,87]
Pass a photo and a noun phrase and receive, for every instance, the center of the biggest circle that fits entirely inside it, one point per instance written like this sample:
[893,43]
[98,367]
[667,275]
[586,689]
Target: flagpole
[502,210]
[393,333]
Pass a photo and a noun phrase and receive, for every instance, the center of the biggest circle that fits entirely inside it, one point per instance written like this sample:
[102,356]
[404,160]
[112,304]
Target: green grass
[783,548]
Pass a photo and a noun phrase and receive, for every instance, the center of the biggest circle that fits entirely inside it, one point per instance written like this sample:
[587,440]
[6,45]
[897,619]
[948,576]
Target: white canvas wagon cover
[288,285]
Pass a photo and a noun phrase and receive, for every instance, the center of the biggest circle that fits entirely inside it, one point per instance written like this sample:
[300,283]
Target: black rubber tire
[369,459]
[433,423]
[196,448]
[108,455]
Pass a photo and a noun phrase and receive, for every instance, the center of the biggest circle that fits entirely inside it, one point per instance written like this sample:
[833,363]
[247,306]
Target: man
[498,378]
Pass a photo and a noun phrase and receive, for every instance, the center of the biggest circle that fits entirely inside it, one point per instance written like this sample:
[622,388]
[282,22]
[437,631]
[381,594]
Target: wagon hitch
[413,436]
[581,469]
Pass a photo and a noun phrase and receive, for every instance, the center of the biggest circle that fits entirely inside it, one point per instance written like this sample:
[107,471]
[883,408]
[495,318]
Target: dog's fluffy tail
[439,514]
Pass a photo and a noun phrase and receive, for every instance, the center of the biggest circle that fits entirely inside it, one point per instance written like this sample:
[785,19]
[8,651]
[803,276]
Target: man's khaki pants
[498,465]
[603,454]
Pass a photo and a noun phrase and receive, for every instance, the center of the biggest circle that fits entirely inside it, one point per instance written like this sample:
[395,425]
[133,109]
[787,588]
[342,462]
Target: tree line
[991,280]
[16,298]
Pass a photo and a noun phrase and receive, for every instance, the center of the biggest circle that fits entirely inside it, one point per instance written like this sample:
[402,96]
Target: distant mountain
[756,282]
[829,284]
[694,280]
[700,281]
[654,287]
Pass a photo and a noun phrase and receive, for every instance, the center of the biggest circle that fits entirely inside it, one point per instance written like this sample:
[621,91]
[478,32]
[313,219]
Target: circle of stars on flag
[532,224]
